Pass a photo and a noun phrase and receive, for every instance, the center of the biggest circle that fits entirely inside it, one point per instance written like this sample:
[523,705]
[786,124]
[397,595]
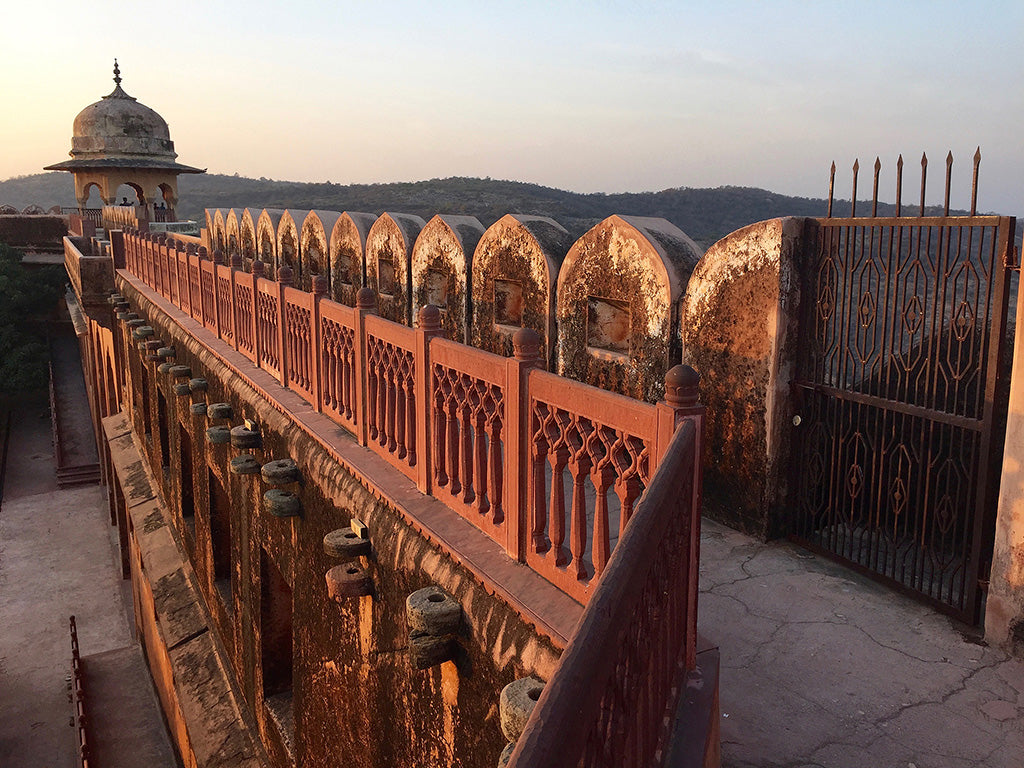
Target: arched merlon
[314,246]
[739,324]
[348,255]
[515,267]
[442,262]
[618,304]
[389,247]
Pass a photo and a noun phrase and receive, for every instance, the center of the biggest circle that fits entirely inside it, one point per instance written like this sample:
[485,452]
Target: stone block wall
[352,689]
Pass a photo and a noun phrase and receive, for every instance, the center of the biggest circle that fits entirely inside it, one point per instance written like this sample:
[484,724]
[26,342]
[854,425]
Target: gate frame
[996,391]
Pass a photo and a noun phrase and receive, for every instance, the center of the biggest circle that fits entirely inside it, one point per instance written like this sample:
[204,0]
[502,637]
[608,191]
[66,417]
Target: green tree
[27,300]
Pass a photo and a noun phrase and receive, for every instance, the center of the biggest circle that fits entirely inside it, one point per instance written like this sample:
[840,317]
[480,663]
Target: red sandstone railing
[498,440]
[78,697]
[612,698]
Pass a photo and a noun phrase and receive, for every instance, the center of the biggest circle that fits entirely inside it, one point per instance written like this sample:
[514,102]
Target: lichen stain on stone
[616,261]
[386,240]
[444,248]
[511,251]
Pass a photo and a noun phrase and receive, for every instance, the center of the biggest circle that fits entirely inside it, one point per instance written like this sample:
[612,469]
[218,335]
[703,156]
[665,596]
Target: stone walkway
[57,558]
[824,668]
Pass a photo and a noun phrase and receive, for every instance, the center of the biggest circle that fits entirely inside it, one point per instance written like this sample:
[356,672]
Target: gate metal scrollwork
[901,391]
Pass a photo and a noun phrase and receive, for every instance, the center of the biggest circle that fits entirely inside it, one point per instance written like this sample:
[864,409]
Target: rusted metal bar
[974,182]
[924,178]
[853,195]
[831,187]
[949,180]
[874,187]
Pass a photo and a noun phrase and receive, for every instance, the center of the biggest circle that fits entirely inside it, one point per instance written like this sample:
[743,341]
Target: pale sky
[586,96]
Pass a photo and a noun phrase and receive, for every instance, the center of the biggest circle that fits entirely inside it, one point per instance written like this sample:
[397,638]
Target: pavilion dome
[117,126]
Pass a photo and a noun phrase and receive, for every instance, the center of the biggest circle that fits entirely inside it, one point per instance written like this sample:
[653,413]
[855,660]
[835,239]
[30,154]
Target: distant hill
[706,215]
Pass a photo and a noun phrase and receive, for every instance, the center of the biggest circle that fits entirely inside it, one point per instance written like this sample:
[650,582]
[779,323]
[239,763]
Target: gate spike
[924,178]
[853,197]
[874,190]
[899,183]
[831,187]
[949,178]
[974,182]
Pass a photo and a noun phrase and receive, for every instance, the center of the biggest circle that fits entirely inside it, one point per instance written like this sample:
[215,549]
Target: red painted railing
[613,695]
[500,441]
[80,718]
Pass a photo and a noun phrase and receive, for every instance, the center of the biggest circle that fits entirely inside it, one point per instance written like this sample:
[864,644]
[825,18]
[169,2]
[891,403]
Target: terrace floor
[823,667]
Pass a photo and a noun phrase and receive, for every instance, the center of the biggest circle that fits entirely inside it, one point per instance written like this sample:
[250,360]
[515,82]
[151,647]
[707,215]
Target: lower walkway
[57,558]
[824,668]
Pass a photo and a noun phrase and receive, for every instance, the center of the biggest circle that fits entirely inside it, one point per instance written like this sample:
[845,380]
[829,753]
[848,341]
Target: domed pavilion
[119,141]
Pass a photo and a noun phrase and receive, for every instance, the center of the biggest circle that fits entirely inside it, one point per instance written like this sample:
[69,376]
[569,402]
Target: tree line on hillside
[706,215]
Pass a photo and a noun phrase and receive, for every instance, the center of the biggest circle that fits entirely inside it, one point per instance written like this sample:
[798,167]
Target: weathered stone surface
[281,472]
[245,464]
[389,246]
[288,243]
[218,435]
[426,651]
[346,544]
[739,321]
[281,503]
[618,293]
[348,255]
[244,438]
[314,246]
[266,238]
[442,261]
[515,271]
[517,701]
[348,580]
[432,611]
[220,411]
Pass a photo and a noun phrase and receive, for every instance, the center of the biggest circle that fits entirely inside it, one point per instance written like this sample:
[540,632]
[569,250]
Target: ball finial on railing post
[429,318]
[682,387]
[236,260]
[284,275]
[191,249]
[218,256]
[203,253]
[366,299]
[319,285]
[258,268]
[526,345]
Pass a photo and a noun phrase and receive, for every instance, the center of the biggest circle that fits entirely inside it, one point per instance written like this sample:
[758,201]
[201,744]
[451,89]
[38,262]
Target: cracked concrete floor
[823,667]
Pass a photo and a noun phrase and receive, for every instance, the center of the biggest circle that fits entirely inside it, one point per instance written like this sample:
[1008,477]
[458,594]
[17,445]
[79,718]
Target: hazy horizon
[583,97]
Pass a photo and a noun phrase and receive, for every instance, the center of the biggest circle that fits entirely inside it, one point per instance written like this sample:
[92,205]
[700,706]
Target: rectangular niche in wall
[508,303]
[386,276]
[608,325]
[276,645]
[343,269]
[220,539]
[436,285]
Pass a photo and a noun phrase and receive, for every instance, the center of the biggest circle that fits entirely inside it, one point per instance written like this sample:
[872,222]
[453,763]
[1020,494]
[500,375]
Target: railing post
[682,402]
[257,347]
[236,264]
[427,328]
[284,280]
[218,259]
[190,251]
[366,304]
[526,349]
[315,383]
[155,279]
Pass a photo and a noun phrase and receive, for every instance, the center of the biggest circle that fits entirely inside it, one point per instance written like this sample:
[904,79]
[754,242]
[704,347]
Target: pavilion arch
[86,191]
[618,304]
[515,270]
[389,247]
[266,239]
[348,255]
[441,265]
[288,252]
[247,237]
[231,237]
[314,245]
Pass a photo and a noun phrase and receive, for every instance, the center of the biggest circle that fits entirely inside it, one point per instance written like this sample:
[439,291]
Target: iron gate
[901,399]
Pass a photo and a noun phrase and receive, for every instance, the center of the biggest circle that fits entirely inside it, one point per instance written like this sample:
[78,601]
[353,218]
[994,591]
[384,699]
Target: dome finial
[117,73]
